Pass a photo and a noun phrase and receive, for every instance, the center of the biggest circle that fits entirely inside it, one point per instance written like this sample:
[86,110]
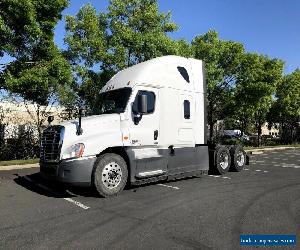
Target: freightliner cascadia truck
[150,126]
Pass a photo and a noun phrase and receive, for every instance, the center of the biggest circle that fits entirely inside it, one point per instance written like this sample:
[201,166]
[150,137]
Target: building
[274,131]
[17,117]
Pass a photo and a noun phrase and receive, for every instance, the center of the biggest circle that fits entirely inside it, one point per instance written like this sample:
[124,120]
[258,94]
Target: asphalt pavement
[210,212]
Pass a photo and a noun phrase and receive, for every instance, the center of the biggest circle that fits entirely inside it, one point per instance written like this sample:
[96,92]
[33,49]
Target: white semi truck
[150,126]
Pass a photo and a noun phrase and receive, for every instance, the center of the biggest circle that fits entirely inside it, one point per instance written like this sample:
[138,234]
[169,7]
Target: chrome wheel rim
[240,159]
[111,175]
[223,160]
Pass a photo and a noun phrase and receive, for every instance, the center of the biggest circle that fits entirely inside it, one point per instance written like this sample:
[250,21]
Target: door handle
[155,134]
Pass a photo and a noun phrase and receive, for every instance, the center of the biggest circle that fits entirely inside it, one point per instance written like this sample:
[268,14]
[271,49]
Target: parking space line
[77,203]
[290,166]
[257,170]
[168,186]
[257,153]
[218,176]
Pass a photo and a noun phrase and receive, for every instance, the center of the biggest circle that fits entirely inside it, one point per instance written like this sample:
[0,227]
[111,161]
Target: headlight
[74,151]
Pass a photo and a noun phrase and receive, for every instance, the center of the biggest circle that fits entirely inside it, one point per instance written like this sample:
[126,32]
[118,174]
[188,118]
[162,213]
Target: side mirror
[142,104]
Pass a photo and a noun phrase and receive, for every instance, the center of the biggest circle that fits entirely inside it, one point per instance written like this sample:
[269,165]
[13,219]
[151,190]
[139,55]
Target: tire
[238,158]
[109,174]
[222,160]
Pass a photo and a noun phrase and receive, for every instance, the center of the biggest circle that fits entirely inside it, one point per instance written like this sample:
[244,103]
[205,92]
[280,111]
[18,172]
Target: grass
[19,162]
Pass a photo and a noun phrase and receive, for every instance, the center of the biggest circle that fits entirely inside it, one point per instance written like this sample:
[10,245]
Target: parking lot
[196,213]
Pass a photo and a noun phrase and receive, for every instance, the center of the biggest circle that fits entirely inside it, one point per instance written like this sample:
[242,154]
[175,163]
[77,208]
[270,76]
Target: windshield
[113,101]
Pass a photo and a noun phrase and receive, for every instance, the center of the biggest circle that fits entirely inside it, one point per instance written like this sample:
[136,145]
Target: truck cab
[150,125]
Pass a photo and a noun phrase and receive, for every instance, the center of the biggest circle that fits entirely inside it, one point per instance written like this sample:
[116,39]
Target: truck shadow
[35,183]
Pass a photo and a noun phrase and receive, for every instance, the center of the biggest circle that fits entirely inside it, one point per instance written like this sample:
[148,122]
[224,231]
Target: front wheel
[110,174]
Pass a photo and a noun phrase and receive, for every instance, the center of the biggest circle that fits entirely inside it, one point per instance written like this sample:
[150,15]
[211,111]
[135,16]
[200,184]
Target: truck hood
[88,124]
[94,128]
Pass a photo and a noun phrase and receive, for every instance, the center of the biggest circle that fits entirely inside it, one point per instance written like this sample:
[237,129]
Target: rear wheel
[110,174]
[238,158]
[222,160]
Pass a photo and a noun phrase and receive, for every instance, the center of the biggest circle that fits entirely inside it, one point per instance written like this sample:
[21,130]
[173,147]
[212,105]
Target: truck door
[144,135]
[145,129]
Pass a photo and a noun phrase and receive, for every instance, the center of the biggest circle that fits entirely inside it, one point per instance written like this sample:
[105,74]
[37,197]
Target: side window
[150,101]
[186,109]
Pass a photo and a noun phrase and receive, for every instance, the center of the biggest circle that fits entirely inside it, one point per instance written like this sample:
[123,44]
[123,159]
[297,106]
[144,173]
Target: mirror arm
[137,117]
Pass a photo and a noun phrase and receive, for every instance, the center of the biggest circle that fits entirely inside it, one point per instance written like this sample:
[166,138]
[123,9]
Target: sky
[269,27]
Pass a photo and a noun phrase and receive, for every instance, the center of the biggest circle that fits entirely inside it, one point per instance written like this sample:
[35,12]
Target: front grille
[51,142]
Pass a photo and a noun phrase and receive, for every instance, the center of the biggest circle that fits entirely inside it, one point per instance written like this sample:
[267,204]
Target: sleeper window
[183,72]
[186,109]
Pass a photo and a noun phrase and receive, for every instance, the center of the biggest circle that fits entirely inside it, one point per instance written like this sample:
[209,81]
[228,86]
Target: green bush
[273,142]
[24,145]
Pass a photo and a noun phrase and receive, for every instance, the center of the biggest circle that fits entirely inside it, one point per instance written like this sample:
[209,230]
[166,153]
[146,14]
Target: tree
[222,60]
[131,31]
[26,27]
[39,74]
[183,48]
[256,84]
[286,107]
[138,32]
[87,46]
[41,87]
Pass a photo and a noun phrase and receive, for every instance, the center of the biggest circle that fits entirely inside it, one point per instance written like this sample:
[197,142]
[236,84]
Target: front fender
[96,144]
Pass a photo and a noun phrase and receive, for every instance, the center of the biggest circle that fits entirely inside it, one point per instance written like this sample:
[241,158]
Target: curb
[261,150]
[14,167]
